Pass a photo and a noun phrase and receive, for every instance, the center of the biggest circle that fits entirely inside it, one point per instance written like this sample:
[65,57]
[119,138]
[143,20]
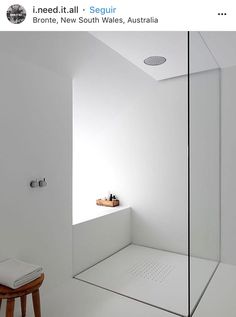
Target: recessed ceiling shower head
[154,60]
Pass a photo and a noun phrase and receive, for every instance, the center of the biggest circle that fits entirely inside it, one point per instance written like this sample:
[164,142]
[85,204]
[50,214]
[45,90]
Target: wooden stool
[30,288]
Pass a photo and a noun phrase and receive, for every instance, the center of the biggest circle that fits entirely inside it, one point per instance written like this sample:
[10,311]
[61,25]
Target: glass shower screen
[204,167]
[163,160]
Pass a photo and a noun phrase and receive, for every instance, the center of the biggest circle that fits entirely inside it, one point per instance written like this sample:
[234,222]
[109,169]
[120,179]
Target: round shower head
[154,60]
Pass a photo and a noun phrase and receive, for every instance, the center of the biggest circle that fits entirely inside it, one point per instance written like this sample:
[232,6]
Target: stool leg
[0,303]
[23,305]
[36,303]
[10,307]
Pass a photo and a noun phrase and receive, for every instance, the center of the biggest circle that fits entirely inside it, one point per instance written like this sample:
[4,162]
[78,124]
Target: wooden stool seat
[10,294]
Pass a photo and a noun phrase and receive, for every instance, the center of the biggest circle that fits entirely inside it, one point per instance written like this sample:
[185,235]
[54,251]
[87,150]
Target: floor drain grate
[149,270]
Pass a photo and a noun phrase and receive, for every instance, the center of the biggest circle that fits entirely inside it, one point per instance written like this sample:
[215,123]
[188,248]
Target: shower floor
[152,276]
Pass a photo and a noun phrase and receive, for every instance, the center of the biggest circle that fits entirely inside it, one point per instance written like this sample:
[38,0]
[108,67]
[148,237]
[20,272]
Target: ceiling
[136,46]
[65,52]
[208,50]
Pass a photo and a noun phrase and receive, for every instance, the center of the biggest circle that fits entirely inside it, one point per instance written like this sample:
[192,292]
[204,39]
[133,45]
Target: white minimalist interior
[149,116]
[83,110]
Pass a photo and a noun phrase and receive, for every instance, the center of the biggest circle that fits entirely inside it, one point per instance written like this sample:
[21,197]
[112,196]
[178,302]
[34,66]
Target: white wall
[228,117]
[130,137]
[205,164]
[36,137]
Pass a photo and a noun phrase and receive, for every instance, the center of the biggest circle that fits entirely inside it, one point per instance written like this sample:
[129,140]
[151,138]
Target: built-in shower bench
[100,235]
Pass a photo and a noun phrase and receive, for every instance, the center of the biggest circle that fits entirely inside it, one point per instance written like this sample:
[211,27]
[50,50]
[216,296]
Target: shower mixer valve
[38,183]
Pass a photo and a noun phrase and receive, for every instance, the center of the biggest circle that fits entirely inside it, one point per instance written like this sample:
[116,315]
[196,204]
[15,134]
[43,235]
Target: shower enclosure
[173,248]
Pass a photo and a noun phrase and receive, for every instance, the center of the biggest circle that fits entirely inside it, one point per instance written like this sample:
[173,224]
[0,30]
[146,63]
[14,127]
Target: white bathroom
[142,123]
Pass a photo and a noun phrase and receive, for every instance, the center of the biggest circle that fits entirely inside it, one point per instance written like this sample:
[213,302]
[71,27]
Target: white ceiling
[65,52]
[136,46]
